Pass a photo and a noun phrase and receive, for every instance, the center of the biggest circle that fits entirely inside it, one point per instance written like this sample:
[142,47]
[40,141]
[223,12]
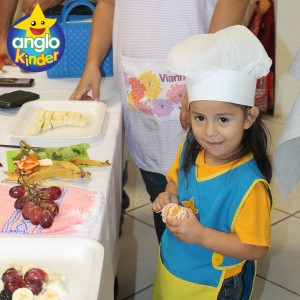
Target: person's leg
[125,198]
[155,184]
[232,288]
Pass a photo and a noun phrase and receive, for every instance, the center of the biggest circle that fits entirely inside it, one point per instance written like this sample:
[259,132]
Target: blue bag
[77,35]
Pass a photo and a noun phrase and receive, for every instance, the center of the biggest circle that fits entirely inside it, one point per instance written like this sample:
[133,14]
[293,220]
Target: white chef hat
[221,66]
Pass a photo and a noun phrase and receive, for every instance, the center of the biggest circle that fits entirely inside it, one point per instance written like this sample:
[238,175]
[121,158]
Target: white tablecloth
[107,146]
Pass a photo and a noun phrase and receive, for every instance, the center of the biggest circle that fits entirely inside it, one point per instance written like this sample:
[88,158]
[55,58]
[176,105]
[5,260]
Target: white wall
[287,43]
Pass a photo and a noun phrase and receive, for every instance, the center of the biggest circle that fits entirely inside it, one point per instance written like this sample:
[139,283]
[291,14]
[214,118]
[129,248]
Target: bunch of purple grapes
[33,279]
[37,203]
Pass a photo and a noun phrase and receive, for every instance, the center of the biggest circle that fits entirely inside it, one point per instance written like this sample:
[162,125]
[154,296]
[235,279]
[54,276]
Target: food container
[80,260]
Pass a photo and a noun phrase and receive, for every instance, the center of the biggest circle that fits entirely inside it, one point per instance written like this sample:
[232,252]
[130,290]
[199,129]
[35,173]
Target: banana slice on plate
[56,284]
[49,119]
[22,294]
[49,295]
[36,128]
[39,114]
[27,268]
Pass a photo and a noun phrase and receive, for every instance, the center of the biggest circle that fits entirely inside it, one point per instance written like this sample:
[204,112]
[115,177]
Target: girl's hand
[186,230]
[163,199]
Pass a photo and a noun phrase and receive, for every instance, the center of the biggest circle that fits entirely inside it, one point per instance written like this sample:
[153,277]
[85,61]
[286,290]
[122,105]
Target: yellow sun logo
[36,25]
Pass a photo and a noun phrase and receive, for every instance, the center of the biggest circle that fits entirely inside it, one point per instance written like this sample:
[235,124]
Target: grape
[13,284]
[35,286]
[27,210]
[20,202]
[33,200]
[51,206]
[5,295]
[51,193]
[17,191]
[10,274]
[34,215]
[36,274]
[46,218]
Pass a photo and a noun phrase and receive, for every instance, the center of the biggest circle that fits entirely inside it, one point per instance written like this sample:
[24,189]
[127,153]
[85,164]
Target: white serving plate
[94,112]
[79,259]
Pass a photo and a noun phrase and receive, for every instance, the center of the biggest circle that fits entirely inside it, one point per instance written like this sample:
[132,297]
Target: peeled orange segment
[27,165]
[175,211]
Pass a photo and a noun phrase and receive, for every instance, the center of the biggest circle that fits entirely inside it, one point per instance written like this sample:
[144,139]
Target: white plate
[93,111]
[79,259]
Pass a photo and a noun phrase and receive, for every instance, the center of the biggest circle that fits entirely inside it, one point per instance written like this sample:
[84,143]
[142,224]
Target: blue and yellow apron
[189,271]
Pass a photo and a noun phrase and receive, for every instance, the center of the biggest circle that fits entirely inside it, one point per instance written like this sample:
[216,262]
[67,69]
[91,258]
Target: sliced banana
[39,114]
[48,119]
[56,284]
[58,122]
[48,114]
[47,125]
[27,268]
[36,128]
[22,294]
[49,295]
[16,266]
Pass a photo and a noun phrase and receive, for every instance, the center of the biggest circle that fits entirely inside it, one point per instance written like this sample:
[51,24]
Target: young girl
[220,175]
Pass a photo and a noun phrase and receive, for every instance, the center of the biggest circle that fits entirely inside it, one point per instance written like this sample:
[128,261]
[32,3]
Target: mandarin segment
[175,211]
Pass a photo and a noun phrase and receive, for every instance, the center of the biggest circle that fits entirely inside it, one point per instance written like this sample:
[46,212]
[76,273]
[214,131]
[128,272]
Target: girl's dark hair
[255,141]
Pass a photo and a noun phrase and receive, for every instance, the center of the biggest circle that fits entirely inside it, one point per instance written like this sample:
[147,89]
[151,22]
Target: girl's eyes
[223,120]
[199,118]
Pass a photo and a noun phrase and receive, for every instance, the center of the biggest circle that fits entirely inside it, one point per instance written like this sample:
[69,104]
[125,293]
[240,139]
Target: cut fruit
[49,119]
[49,295]
[57,285]
[22,294]
[173,210]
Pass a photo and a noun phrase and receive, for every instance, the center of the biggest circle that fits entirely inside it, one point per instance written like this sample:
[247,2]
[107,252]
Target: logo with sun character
[36,43]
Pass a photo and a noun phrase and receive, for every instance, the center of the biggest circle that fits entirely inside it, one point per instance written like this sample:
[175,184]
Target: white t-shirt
[144,32]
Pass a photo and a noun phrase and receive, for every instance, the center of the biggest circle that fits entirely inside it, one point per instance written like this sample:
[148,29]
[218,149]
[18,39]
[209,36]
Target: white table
[107,146]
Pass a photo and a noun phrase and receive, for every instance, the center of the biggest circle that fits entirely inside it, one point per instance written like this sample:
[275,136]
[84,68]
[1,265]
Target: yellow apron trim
[169,287]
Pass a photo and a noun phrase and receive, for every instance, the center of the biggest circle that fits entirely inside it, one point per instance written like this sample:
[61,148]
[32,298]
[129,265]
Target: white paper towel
[287,153]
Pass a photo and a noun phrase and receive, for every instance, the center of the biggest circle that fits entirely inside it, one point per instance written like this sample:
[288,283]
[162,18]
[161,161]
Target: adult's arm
[28,5]
[100,42]
[228,13]
[7,11]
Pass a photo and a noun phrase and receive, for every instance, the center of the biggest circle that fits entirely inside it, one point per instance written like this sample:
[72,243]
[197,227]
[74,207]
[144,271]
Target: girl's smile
[218,127]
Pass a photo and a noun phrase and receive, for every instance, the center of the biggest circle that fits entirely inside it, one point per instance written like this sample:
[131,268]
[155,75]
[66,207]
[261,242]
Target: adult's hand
[90,81]
[4,53]
[184,113]
[28,5]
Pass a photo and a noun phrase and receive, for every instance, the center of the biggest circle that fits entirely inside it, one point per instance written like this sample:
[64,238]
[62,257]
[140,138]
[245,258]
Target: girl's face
[218,127]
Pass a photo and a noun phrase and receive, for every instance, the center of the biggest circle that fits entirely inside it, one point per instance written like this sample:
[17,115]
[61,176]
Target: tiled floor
[278,273]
